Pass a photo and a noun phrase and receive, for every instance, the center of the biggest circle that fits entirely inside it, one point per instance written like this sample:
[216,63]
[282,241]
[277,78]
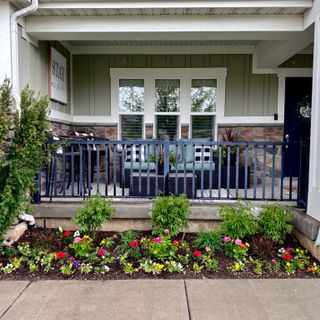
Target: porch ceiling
[145,8]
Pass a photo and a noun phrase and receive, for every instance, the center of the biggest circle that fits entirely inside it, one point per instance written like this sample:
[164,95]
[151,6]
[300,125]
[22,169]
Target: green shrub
[170,213]
[95,212]
[25,155]
[209,239]
[275,222]
[238,221]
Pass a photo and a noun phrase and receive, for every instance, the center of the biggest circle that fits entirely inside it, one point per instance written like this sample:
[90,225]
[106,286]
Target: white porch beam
[310,15]
[313,208]
[270,54]
[91,28]
[175,4]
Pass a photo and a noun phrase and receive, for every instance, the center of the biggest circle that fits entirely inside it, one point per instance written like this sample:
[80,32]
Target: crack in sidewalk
[187,298]
[14,301]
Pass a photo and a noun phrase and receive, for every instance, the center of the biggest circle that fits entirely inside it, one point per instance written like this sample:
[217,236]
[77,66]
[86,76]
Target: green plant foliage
[26,153]
[238,221]
[208,239]
[5,105]
[169,212]
[274,221]
[95,212]
[129,244]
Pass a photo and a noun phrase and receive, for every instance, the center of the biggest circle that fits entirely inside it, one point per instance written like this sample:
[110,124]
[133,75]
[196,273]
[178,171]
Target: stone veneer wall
[255,132]
[260,133]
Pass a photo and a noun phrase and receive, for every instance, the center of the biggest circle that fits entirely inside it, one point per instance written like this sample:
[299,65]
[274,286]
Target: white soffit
[139,8]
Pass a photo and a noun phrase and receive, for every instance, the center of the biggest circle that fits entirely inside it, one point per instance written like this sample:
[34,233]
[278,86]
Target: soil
[47,236]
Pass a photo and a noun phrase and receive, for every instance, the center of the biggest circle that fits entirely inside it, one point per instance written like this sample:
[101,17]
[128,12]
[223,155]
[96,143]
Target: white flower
[76,234]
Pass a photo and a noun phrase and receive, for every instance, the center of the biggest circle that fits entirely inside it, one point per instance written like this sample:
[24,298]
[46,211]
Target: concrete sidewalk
[161,299]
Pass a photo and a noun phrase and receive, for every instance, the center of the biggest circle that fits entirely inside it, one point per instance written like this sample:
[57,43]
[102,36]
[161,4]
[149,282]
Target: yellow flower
[160,266]
[103,242]
[288,264]
[86,237]
[297,250]
[247,244]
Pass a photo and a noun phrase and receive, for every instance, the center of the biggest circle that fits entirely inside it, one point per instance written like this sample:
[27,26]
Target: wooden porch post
[314,166]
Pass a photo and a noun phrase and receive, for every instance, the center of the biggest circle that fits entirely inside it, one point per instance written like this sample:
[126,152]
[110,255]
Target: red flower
[196,253]
[66,233]
[134,244]
[287,256]
[60,255]
[101,252]
[176,243]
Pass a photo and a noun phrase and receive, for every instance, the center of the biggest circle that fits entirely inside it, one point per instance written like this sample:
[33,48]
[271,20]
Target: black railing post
[166,164]
[37,193]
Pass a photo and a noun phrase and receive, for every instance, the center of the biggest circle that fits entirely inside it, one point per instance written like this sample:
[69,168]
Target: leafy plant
[170,213]
[236,250]
[262,247]
[208,239]
[95,212]
[129,244]
[274,221]
[25,155]
[162,248]
[238,221]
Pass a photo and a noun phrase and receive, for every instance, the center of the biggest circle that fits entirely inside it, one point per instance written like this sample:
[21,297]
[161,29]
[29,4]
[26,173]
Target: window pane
[167,127]
[167,95]
[131,95]
[203,127]
[203,95]
[131,127]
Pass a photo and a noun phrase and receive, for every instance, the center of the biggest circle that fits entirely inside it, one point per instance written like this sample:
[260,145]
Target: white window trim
[185,75]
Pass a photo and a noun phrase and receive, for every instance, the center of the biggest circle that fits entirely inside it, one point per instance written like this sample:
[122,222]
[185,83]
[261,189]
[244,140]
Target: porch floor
[232,194]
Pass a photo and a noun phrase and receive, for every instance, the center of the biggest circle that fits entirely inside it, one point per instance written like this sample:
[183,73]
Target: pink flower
[158,239]
[115,236]
[166,231]
[227,239]
[72,258]
[101,252]
[274,260]
[77,239]
[238,242]
[207,249]
[288,249]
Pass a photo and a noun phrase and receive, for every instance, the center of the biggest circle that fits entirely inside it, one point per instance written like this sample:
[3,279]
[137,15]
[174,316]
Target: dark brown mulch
[47,237]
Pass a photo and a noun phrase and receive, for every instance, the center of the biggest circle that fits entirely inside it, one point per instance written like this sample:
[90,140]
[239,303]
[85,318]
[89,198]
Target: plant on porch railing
[26,154]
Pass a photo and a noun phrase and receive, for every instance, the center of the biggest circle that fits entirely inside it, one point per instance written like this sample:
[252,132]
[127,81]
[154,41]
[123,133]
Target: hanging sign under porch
[57,76]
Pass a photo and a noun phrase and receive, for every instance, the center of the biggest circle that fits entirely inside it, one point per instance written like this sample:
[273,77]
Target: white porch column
[5,43]
[314,166]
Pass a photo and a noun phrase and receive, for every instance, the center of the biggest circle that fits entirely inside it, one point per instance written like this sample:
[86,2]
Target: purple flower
[227,239]
[166,231]
[75,263]
[238,242]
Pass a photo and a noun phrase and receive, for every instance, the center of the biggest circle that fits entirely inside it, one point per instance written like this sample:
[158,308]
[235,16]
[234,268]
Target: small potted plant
[161,155]
[230,135]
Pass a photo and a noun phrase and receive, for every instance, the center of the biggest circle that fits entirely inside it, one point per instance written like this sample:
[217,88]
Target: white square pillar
[5,52]
[314,165]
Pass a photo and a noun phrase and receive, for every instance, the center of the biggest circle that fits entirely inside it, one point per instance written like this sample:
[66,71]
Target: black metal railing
[252,170]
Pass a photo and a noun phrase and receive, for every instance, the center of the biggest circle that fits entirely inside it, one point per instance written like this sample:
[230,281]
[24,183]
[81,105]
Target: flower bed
[54,254]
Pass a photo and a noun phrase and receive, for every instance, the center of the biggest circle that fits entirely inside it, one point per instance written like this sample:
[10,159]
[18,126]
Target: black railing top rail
[180,142]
